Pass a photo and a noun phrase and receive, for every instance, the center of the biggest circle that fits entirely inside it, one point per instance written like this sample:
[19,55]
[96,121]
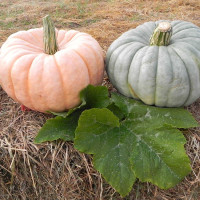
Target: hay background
[56,171]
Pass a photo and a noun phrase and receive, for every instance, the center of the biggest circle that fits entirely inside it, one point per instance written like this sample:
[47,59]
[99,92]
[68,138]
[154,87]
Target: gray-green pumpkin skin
[165,76]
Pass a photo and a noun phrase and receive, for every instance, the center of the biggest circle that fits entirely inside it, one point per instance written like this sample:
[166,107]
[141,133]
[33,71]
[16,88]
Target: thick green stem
[49,36]
[161,35]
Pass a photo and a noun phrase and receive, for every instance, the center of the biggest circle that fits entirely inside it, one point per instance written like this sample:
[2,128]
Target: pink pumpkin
[46,82]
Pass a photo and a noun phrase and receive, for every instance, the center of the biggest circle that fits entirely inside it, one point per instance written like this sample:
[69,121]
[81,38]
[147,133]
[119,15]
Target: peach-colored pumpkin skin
[45,82]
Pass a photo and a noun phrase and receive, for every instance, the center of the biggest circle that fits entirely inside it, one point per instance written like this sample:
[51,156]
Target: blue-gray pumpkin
[158,63]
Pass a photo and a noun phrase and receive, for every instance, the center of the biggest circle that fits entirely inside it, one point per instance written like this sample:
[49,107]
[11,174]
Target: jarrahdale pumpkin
[45,68]
[157,63]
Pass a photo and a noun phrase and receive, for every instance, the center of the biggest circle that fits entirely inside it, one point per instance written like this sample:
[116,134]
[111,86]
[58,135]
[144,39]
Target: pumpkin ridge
[184,25]
[31,31]
[137,33]
[178,38]
[79,34]
[148,30]
[35,38]
[108,56]
[30,49]
[62,43]
[192,46]
[155,91]
[179,24]
[175,32]
[27,44]
[138,80]
[172,75]
[11,76]
[186,38]
[194,53]
[61,78]
[175,23]
[141,32]
[42,57]
[145,54]
[132,91]
[9,44]
[84,63]
[60,36]
[96,53]
[116,60]
[14,50]
[124,49]
[31,44]
[136,85]
[44,99]
[124,46]
[134,39]
[99,56]
[28,91]
[187,74]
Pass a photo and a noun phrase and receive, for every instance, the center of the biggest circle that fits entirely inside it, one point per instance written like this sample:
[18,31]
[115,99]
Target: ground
[56,170]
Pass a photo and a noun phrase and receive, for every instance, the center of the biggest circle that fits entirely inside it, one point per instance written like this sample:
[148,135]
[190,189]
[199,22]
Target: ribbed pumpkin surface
[167,76]
[49,82]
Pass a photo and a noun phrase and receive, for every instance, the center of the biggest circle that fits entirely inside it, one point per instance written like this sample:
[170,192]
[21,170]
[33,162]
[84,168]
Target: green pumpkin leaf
[69,112]
[95,96]
[157,155]
[98,133]
[154,116]
[58,128]
[145,145]
[112,107]
[91,97]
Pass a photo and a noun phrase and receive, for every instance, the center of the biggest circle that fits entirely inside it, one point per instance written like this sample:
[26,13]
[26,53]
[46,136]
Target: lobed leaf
[98,133]
[58,128]
[146,144]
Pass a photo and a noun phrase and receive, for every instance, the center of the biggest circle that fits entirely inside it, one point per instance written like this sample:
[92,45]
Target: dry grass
[56,170]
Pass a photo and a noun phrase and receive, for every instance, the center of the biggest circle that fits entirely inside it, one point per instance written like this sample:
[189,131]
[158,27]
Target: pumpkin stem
[49,36]
[161,35]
